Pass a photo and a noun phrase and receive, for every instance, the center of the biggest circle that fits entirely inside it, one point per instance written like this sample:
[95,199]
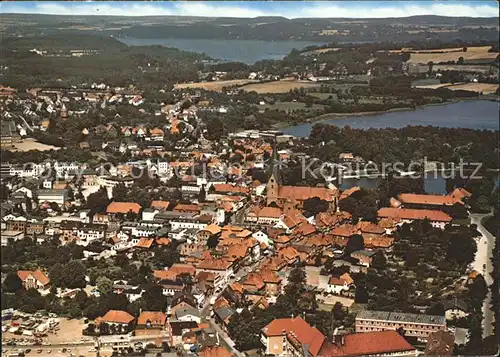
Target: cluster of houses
[237,238]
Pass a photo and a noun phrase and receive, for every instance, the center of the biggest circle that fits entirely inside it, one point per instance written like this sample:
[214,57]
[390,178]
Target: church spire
[275,164]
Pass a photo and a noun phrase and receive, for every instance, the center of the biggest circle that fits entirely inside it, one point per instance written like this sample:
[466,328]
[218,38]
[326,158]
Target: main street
[482,263]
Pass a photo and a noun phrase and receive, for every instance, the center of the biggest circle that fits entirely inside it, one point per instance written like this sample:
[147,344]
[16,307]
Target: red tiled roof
[304,229]
[349,192]
[163,241]
[369,343]
[215,352]
[123,207]
[160,205]
[227,188]
[215,264]
[187,208]
[272,212]
[459,193]
[145,243]
[37,274]
[183,269]
[254,279]
[343,279]
[213,229]
[117,316]
[438,200]
[164,274]
[154,317]
[413,214]
[292,220]
[345,230]
[301,193]
[298,329]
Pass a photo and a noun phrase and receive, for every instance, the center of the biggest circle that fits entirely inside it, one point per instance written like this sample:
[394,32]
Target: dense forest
[407,144]
[113,63]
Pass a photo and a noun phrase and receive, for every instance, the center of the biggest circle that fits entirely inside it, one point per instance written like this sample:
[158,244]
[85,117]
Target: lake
[433,185]
[479,114]
[247,51]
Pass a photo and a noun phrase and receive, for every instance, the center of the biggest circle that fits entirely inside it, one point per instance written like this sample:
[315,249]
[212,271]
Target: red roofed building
[186,208]
[151,323]
[460,193]
[338,284]
[296,195]
[34,279]
[123,207]
[117,318]
[407,215]
[417,200]
[160,205]
[269,215]
[230,189]
[381,343]
[288,337]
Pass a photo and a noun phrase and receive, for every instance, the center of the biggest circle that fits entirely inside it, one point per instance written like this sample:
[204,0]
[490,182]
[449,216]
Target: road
[225,340]
[482,263]
[78,349]
[240,215]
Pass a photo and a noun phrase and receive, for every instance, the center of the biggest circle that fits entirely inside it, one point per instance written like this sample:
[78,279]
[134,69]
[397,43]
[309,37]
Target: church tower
[64,112]
[273,185]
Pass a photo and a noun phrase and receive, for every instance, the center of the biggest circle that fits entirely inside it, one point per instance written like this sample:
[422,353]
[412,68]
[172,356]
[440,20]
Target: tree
[379,261]
[98,201]
[120,192]
[154,298]
[436,309]
[461,248]
[355,243]
[202,195]
[315,205]
[212,242]
[338,311]
[431,65]
[297,277]
[361,295]
[77,252]
[12,283]
[411,258]
[104,285]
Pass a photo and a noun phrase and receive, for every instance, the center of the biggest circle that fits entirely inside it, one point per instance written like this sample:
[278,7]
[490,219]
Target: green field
[288,106]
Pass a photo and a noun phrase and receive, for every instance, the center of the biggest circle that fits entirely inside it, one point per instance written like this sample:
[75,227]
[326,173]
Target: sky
[289,9]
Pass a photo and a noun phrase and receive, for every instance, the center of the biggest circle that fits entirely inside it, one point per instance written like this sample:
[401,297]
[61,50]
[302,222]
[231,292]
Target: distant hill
[260,28]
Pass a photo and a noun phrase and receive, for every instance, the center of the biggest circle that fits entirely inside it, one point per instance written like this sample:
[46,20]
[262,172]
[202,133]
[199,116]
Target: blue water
[479,114]
[247,51]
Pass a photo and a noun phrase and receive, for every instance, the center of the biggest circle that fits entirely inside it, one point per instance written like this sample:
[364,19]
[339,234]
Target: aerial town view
[263,178]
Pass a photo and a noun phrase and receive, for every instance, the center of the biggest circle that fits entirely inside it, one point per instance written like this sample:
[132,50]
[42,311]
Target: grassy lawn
[323,95]
[289,106]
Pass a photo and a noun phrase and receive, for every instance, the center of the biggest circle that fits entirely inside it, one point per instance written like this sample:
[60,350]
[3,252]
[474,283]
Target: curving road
[482,263]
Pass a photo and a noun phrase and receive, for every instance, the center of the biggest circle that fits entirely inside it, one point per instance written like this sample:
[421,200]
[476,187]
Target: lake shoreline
[341,116]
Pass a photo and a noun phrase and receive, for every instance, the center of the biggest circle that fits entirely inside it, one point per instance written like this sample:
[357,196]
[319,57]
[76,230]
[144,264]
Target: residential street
[482,263]
[225,340]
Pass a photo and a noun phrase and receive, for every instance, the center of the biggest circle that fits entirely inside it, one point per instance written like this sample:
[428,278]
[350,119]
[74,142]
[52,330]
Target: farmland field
[289,106]
[215,85]
[283,86]
[486,88]
[453,54]
[30,144]
[463,68]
